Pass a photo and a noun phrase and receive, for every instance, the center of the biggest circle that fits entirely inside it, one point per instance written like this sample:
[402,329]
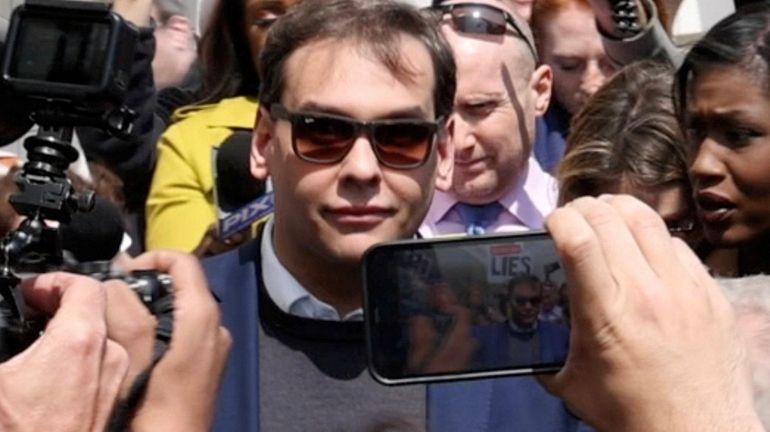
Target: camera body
[71,61]
[75,52]
[154,289]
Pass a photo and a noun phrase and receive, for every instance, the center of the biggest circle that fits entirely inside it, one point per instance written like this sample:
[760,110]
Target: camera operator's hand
[653,342]
[68,379]
[211,244]
[136,12]
[183,386]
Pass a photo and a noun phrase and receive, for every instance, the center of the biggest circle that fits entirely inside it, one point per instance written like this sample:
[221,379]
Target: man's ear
[445,153]
[261,140]
[542,85]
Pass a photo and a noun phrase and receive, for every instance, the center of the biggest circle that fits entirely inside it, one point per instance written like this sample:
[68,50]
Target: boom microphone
[95,235]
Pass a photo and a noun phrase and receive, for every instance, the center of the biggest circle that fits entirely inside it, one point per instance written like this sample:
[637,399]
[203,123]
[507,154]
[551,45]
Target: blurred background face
[550,297]
[728,121]
[569,42]
[258,16]
[175,50]
[525,301]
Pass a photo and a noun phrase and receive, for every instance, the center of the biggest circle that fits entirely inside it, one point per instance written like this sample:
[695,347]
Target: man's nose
[464,138]
[361,162]
[593,78]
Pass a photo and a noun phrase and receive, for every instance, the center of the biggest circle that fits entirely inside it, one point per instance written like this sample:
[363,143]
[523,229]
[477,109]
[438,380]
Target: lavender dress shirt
[526,205]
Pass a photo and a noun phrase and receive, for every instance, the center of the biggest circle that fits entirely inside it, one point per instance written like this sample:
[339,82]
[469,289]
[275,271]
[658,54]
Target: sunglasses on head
[326,138]
[481,18]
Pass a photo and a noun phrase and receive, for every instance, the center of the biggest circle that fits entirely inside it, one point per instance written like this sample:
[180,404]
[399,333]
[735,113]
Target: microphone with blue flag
[241,199]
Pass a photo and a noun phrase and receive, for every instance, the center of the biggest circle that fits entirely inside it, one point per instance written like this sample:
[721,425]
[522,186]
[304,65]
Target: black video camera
[75,53]
[71,61]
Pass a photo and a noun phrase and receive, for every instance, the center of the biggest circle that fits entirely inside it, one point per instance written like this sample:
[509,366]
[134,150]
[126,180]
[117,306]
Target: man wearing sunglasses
[497,185]
[354,101]
[523,338]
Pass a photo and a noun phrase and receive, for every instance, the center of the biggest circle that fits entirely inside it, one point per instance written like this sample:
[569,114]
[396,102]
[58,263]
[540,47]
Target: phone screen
[467,307]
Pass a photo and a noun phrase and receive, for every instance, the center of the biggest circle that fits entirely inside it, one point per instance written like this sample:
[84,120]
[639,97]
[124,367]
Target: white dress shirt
[287,293]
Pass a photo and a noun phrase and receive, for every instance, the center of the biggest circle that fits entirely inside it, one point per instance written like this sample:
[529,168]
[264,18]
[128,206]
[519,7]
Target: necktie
[478,217]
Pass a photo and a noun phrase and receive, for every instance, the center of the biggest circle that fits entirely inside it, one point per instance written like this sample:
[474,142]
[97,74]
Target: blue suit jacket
[551,132]
[514,404]
[495,339]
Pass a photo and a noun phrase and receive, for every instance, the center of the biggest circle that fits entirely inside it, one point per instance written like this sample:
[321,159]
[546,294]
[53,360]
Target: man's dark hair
[523,279]
[374,25]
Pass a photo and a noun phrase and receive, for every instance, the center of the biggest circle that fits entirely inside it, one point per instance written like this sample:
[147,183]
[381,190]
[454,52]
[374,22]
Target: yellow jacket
[181,206]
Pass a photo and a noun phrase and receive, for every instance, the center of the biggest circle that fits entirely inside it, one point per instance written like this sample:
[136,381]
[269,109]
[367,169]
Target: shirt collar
[287,293]
[532,198]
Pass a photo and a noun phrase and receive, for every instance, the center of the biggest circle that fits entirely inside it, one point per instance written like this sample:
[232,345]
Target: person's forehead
[525,286]
[472,50]
[326,71]
[483,65]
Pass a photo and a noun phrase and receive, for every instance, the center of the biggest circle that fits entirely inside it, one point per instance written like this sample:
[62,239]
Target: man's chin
[349,248]
[477,189]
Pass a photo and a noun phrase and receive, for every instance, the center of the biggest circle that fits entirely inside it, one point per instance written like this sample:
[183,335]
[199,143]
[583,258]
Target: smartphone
[463,307]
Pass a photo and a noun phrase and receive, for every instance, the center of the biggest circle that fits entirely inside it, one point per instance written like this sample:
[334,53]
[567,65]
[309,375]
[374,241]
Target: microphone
[241,199]
[95,235]
[235,186]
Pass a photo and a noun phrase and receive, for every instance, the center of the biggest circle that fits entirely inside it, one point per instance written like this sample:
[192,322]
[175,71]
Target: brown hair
[543,11]
[376,25]
[627,131]
[225,57]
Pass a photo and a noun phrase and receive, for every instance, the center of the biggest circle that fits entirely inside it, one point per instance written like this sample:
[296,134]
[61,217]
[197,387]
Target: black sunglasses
[327,138]
[481,18]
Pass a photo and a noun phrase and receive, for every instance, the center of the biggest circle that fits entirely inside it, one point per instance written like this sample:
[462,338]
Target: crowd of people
[373,120]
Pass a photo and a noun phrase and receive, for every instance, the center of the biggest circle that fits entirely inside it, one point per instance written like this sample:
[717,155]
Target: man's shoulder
[230,269]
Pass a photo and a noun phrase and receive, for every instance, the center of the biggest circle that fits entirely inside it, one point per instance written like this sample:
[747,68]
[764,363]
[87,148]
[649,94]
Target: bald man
[497,185]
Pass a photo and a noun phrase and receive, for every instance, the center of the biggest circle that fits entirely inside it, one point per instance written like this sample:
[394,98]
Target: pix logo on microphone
[243,217]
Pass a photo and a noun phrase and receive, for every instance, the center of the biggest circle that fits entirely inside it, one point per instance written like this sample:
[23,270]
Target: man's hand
[183,386]
[653,342]
[68,379]
[136,12]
